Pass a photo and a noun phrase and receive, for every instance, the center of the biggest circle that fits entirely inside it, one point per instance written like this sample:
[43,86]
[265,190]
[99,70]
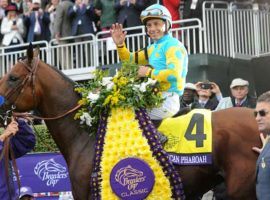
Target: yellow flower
[114,100]
[83,101]
[107,100]
[77,116]
[129,143]
[122,81]
[115,79]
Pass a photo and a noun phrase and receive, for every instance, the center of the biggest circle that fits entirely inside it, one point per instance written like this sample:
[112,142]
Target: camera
[206,86]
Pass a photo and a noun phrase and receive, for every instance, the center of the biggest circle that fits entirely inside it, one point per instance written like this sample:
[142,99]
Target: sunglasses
[262,113]
[152,12]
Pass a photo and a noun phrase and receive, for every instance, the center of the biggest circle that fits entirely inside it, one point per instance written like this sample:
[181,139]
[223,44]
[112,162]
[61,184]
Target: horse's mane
[66,78]
[56,70]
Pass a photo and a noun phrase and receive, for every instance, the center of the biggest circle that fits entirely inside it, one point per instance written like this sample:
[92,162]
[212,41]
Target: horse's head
[17,88]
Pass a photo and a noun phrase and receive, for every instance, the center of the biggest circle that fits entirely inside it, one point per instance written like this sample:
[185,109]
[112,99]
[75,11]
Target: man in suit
[37,23]
[83,17]
[239,98]
[262,114]
[62,28]
[209,94]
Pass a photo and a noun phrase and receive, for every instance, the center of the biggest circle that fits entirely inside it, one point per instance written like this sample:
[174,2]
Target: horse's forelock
[30,53]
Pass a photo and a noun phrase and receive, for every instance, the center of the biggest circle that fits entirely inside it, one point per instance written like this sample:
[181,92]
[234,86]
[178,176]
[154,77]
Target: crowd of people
[35,20]
[207,95]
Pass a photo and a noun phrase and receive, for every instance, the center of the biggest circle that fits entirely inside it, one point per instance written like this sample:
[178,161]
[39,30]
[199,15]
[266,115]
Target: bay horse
[33,84]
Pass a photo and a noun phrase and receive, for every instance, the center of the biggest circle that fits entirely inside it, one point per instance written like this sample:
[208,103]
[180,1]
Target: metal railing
[231,30]
[77,56]
[236,29]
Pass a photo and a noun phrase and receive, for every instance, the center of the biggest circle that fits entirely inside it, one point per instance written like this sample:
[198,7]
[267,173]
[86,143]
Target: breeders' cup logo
[50,172]
[132,179]
[129,177]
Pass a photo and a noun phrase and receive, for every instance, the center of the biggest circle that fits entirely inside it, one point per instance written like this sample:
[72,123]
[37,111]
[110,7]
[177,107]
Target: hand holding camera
[14,25]
[203,85]
[208,86]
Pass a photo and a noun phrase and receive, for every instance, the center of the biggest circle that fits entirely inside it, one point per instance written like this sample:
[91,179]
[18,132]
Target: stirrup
[162,138]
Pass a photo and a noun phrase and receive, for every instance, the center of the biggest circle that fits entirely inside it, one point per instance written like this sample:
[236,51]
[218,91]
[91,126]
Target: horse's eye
[13,78]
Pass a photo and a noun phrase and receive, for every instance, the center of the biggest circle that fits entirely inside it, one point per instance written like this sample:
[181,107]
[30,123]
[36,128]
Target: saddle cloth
[189,137]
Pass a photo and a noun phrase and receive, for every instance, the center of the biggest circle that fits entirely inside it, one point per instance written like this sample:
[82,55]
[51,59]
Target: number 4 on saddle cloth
[189,138]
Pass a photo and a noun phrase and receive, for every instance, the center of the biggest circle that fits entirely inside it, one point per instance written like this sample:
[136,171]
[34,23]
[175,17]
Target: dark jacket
[44,21]
[82,19]
[129,14]
[263,174]
[250,102]
[62,22]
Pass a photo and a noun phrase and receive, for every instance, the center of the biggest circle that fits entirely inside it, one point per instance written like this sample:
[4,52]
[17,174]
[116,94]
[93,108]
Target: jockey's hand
[264,140]
[143,71]
[118,35]
[11,129]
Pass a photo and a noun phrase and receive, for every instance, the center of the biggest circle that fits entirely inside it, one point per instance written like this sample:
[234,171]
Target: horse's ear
[30,53]
[36,52]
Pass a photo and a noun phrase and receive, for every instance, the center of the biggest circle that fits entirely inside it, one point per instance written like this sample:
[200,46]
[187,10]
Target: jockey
[165,60]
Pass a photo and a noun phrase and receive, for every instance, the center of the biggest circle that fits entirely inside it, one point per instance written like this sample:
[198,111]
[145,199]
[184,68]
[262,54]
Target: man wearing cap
[26,193]
[239,98]
[22,140]
[189,100]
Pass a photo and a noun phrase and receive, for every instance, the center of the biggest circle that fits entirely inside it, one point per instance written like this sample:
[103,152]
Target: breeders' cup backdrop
[45,172]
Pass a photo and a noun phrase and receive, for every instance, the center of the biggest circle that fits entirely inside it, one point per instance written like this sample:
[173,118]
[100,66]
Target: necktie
[237,105]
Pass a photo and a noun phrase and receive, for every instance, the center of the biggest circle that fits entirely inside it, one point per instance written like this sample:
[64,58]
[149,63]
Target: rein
[5,155]
[25,115]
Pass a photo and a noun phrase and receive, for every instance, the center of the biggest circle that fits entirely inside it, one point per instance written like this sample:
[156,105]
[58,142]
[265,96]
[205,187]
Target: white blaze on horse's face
[263,121]
[155,28]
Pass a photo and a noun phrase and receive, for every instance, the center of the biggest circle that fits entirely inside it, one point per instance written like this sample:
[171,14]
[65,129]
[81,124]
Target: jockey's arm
[176,68]
[126,55]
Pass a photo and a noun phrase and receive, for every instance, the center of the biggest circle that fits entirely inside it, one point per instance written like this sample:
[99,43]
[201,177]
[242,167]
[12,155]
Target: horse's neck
[66,131]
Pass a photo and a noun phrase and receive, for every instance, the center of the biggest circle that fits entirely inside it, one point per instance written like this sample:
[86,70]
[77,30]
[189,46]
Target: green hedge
[44,142]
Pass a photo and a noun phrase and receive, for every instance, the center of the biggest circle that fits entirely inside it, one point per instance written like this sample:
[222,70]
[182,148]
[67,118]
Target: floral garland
[124,139]
[112,108]
[125,89]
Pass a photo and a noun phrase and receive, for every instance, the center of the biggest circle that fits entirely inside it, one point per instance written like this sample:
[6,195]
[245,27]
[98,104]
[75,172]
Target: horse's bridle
[29,78]
[19,89]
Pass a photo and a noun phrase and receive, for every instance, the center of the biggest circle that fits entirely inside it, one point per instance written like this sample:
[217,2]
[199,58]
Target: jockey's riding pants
[169,108]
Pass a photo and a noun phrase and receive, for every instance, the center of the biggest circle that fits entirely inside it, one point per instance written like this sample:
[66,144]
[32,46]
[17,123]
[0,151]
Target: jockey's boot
[162,138]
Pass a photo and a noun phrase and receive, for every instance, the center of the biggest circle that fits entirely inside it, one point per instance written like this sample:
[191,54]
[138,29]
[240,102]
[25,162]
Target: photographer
[37,23]
[12,27]
[209,94]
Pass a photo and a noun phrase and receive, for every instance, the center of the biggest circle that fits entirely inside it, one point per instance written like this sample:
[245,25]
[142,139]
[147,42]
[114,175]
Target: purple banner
[190,159]
[44,172]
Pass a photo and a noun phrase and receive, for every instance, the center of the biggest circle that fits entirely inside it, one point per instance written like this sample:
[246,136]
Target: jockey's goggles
[152,12]
[262,113]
